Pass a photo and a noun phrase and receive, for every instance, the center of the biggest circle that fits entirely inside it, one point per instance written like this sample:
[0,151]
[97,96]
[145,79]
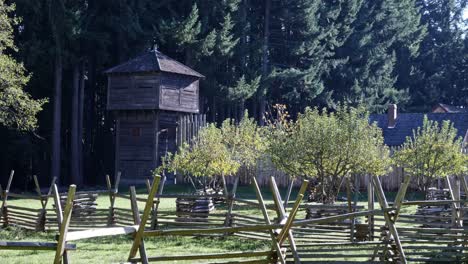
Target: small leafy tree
[207,156]
[218,151]
[17,109]
[328,146]
[244,141]
[433,151]
[282,146]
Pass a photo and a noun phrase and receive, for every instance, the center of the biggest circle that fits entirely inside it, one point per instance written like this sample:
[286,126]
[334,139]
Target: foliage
[17,109]
[376,55]
[370,52]
[433,151]
[218,151]
[440,70]
[282,147]
[243,140]
[328,146]
[207,155]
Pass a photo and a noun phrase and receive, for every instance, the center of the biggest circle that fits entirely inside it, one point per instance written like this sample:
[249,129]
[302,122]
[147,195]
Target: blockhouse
[153,99]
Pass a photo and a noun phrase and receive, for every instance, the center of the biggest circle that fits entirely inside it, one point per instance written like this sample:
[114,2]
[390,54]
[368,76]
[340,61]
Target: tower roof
[153,61]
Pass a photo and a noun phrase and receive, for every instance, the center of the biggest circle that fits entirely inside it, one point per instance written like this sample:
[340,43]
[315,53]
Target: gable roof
[153,61]
[451,108]
[407,122]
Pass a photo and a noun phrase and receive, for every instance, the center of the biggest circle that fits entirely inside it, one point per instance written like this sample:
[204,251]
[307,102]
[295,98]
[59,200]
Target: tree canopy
[433,151]
[329,146]
[254,54]
[18,109]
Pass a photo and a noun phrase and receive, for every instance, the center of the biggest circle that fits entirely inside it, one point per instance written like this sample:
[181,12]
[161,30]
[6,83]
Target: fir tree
[384,31]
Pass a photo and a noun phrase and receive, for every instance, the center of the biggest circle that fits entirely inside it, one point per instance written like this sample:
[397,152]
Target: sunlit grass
[116,249]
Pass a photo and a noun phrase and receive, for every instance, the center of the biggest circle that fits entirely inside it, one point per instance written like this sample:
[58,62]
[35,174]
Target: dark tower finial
[155,44]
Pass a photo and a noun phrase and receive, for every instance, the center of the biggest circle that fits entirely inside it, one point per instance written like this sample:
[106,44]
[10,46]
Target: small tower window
[136,131]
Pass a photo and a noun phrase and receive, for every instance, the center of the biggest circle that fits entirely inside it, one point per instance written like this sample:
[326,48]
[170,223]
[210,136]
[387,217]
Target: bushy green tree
[282,147]
[433,151]
[17,108]
[329,146]
[207,155]
[243,140]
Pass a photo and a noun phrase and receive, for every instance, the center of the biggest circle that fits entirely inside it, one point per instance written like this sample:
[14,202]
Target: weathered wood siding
[136,153]
[167,136]
[166,91]
[129,92]
[179,93]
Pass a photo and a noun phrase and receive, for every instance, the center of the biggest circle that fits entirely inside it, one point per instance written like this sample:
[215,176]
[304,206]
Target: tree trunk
[56,135]
[55,15]
[89,118]
[80,121]
[74,173]
[266,37]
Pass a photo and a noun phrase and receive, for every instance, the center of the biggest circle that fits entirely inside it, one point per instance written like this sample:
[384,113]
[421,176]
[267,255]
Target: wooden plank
[455,194]
[288,193]
[137,221]
[101,232]
[275,244]
[231,197]
[5,198]
[154,215]
[391,225]
[401,195]
[217,230]
[293,212]
[146,214]
[212,256]
[62,241]
[21,245]
[281,212]
[370,207]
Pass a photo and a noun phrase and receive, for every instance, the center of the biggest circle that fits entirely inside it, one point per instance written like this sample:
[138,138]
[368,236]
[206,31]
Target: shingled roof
[451,108]
[407,122]
[153,61]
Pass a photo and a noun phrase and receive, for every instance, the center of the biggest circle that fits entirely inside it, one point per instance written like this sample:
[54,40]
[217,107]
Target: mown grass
[116,249]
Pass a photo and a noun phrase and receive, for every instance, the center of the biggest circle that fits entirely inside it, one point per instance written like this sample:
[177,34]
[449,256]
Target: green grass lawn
[116,249]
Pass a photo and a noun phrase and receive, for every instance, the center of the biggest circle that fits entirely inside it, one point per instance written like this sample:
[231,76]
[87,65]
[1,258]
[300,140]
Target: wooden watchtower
[151,96]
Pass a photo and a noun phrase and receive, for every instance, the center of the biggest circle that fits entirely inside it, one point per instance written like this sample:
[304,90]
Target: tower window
[136,131]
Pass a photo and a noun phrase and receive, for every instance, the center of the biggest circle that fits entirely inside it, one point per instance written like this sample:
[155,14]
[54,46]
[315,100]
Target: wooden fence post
[288,193]
[41,219]
[144,218]
[281,212]
[63,222]
[370,205]
[112,196]
[230,200]
[455,194]
[388,218]
[350,208]
[137,221]
[401,195]
[154,209]
[4,209]
[275,244]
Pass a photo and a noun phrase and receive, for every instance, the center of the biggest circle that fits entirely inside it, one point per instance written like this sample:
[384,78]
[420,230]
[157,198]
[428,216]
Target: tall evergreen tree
[384,32]
[442,67]
[305,38]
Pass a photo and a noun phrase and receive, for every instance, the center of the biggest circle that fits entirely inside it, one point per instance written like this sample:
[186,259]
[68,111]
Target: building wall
[135,148]
[179,93]
[127,92]
[166,91]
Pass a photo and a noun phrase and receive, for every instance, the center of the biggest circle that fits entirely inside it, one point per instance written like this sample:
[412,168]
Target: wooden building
[151,97]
